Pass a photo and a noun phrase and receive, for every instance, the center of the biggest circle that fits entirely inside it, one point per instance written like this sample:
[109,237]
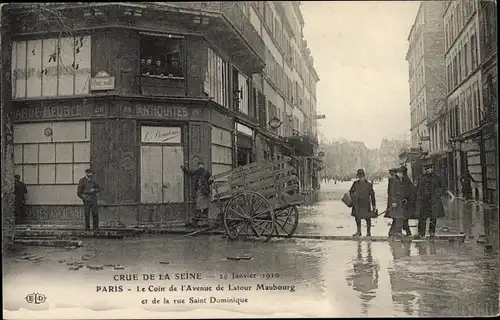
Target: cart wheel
[249,213]
[287,221]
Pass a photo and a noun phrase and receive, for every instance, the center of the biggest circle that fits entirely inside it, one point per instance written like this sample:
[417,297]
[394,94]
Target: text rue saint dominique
[173,284]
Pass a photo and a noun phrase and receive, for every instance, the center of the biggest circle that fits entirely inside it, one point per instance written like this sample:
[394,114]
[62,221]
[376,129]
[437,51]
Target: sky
[359,50]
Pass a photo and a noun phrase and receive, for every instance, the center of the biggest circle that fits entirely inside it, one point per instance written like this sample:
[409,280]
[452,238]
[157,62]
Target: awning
[438,153]
[303,146]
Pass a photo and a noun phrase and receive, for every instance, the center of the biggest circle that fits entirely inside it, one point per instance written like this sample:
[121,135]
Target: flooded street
[289,277]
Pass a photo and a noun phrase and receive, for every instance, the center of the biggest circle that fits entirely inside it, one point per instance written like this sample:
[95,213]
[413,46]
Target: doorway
[244,157]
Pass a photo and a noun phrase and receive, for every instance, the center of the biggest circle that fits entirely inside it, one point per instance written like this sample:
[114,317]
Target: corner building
[135,90]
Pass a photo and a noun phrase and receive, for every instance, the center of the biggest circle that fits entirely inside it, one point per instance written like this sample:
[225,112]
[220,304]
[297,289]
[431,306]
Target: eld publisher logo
[36,298]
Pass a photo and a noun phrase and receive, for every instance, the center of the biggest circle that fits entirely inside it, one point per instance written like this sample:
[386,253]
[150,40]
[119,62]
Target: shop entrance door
[162,180]
[244,156]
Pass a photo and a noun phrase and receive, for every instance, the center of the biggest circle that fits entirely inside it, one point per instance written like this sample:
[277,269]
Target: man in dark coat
[409,207]
[363,202]
[20,192]
[397,198]
[87,190]
[430,190]
[466,181]
[201,188]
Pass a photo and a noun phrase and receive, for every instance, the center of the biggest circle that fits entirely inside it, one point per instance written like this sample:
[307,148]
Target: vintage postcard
[249,159]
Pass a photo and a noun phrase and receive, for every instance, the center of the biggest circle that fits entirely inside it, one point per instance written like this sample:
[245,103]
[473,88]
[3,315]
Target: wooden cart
[259,199]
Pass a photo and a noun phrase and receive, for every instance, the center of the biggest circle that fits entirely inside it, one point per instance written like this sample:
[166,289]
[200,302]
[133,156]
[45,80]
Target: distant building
[389,152]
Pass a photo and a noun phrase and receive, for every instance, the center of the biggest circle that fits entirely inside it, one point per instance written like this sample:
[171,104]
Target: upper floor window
[161,56]
[241,91]
[51,67]
[217,79]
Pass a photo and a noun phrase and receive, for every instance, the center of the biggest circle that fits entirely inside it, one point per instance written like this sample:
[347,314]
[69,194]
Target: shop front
[489,147]
[245,145]
[135,147]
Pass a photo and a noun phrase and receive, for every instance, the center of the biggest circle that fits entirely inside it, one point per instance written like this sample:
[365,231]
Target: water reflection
[403,296]
[364,275]
[429,279]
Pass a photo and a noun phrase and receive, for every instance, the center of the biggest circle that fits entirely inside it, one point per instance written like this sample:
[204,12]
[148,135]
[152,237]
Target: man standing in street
[466,180]
[429,205]
[20,192]
[201,190]
[363,202]
[397,198]
[88,188]
[409,206]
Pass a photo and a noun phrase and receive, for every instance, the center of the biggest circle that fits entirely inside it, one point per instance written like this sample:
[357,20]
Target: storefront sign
[60,213]
[469,146]
[244,129]
[102,81]
[162,111]
[52,112]
[160,134]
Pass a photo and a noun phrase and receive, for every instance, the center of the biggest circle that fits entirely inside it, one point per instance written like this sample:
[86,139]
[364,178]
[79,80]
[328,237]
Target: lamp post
[274,123]
[482,156]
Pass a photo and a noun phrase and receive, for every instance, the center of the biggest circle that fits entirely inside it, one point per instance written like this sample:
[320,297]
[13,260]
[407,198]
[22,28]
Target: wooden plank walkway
[444,237]
[49,242]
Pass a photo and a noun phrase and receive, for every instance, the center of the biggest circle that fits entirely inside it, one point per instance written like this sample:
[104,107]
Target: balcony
[224,24]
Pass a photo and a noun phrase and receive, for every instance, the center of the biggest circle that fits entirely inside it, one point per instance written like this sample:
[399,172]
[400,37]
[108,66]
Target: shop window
[162,154]
[51,67]
[161,56]
[222,150]
[49,163]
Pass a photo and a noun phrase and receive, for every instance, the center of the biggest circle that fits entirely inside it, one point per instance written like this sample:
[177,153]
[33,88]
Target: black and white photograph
[249,159]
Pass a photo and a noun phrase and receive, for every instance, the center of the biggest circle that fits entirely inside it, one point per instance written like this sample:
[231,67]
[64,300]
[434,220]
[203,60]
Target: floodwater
[290,277]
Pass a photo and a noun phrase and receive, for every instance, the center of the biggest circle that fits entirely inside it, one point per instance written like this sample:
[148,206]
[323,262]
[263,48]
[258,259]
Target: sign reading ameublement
[160,134]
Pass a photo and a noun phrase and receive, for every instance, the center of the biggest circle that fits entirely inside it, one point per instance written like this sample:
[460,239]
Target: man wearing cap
[392,172]
[20,192]
[87,190]
[430,189]
[201,189]
[363,202]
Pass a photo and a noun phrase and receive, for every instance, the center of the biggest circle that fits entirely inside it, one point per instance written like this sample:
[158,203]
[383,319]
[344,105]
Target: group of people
[405,201]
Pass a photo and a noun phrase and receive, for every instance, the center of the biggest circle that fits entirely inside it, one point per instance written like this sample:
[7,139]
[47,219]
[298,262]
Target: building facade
[461,127]
[427,77]
[289,85]
[137,90]
[489,74]
[464,112]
